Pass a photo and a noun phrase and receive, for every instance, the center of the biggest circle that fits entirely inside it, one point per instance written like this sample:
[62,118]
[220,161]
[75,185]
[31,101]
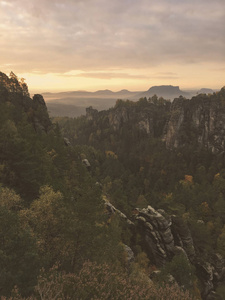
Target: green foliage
[144,172]
[102,281]
[19,263]
[221,290]
[52,208]
[221,242]
[201,236]
[45,218]
[181,269]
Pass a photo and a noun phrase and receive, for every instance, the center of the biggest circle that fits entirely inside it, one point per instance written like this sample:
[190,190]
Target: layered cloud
[92,35]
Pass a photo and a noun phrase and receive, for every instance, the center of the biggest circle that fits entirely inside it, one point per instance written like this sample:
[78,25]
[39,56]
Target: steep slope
[24,128]
[51,209]
[158,163]
[199,121]
[15,93]
[144,116]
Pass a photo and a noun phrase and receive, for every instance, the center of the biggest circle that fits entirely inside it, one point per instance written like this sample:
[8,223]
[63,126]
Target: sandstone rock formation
[165,236]
[112,210]
[199,121]
[148,118]
[162,239]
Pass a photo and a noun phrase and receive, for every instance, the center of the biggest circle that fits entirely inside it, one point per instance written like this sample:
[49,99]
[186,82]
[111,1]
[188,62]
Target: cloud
[114,75]
[92,35]
[165,75]
[108,75]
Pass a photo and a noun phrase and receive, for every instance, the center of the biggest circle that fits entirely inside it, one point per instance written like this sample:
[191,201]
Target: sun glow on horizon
[130,79]
[81,45]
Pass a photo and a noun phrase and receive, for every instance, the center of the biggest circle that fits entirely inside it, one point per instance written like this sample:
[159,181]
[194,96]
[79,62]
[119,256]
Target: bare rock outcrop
[146,118]
[199,121]
[165,236]
[157,233]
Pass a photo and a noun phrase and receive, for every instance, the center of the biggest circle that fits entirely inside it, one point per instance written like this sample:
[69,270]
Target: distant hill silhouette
[73,103]
[205,91]
[166,91]
[99,93]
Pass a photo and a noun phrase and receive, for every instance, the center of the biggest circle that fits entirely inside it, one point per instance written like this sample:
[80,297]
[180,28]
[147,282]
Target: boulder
[129,254]
[86,163]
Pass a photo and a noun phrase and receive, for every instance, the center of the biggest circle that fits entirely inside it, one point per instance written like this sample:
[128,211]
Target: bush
[100,281]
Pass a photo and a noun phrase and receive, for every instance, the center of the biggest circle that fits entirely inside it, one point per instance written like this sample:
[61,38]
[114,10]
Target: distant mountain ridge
[102,93]
[75,102]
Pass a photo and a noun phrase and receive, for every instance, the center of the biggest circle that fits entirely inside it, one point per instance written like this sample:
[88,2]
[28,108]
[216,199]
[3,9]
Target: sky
[65,45]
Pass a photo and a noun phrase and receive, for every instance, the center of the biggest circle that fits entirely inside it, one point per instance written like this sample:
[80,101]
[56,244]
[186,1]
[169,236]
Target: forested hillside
[56,239]
[169,156]
[98,207]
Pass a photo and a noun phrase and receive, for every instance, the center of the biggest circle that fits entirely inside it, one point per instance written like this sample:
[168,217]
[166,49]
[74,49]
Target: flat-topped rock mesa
[168,92]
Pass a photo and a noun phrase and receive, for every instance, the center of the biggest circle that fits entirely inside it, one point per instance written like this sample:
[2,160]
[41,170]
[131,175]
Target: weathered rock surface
[148,118]
[211,275]
[86,163]
[129,254]
[205,274]
[112,210]
[182,236]
[165,236]
[66,141]
[199,121]
[157,234]
[219,267]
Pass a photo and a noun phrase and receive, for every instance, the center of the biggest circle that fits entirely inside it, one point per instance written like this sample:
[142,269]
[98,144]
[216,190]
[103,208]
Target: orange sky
[100,44]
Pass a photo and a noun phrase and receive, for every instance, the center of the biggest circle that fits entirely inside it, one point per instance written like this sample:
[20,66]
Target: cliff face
[146,117]
[143,120]
[199,121]
[165,236]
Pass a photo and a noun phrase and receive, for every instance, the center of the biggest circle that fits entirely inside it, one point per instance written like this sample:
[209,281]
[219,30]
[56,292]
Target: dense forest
[127,203]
